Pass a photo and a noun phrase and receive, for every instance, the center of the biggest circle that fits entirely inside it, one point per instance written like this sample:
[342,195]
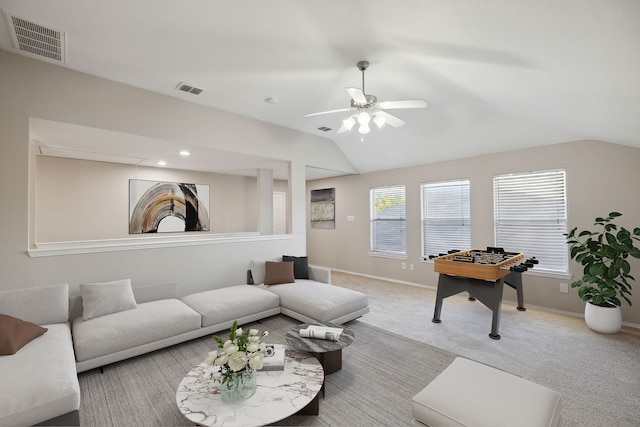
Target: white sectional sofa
[95,331]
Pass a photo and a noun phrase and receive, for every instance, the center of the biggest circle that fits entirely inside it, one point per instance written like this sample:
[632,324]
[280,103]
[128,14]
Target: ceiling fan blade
[328,112]
[391,120]
[357,95]
[407,103]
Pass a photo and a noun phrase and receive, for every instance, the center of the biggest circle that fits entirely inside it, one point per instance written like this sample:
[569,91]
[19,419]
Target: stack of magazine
[276,361]
[321,332]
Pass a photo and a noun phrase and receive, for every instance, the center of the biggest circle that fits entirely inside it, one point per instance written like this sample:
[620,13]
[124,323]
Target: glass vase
[238,386]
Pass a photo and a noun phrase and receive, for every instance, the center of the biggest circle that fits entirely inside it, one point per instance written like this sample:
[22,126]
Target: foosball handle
[518,268]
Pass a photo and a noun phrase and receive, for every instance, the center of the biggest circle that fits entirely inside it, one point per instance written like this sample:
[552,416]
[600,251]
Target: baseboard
[420,285]
[386,279]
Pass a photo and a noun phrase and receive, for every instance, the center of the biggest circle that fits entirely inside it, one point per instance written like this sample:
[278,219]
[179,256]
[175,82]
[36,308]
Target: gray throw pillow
[300,265]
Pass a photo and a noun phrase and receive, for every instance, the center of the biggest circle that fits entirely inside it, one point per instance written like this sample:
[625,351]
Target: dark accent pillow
[279,272]
[300,265]
[16,333]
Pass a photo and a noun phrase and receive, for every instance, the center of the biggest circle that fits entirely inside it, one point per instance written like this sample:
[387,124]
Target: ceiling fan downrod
[362,66]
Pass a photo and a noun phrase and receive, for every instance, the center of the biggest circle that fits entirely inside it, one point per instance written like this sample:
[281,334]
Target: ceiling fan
[366,109]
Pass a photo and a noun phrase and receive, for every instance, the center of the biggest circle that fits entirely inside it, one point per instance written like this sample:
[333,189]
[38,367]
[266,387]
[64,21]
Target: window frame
[374,242]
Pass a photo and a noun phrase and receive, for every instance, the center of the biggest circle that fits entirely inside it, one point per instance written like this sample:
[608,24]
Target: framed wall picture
[167,207]
[323,208]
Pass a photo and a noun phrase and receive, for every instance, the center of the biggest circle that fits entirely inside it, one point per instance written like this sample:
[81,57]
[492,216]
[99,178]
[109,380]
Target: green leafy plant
[603,254]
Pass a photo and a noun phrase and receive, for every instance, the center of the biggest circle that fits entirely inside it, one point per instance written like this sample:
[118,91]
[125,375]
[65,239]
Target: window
[530,216]
[388,220]
[446,217]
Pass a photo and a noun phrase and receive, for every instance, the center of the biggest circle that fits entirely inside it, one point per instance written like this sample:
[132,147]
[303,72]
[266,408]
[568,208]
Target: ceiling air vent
[36,39]
[324,128]
[189,89]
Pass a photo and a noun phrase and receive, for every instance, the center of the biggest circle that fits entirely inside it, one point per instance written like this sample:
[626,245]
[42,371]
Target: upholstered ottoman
[468,393]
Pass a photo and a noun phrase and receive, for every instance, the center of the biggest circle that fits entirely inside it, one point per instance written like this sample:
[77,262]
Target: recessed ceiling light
[185,153]
[162,163]
[271,100]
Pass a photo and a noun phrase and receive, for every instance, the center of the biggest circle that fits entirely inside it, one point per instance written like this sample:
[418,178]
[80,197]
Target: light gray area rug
[598,375]
[381,372]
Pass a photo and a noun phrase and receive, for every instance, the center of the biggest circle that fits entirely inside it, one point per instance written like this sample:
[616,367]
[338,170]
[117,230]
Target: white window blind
[388,220]
[446,217]
[530,216]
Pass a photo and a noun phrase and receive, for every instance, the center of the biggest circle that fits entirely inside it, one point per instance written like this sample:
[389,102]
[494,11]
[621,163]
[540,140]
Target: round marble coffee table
[328,352]
[279,394]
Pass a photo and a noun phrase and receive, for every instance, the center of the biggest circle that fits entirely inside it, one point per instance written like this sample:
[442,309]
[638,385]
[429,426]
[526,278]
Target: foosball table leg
[514,280]
[437,311]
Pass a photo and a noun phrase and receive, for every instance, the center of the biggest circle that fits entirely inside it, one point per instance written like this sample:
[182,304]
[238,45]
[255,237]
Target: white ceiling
[497,75]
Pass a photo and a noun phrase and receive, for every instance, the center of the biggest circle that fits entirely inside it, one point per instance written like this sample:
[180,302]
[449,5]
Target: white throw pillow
[99,299]
[259,270]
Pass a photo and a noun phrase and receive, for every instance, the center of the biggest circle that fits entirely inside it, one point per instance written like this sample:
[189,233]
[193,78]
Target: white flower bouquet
[243,350]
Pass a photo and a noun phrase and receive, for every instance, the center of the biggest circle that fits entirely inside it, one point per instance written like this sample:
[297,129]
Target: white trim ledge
[137,243]
[389,255]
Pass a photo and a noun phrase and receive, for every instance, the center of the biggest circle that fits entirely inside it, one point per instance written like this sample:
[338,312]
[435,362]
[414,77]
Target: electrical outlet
[411,267]
[564,288]
[404,265]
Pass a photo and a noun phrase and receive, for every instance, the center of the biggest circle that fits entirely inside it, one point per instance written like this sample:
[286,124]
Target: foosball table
[481,273]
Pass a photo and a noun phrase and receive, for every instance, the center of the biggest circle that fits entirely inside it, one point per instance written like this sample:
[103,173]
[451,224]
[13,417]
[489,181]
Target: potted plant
[604,255]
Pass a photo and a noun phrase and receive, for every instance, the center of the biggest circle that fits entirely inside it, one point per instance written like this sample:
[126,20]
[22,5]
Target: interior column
[265,201]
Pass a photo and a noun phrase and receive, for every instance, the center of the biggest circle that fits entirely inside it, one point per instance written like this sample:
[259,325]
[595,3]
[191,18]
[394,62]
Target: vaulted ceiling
[497,75]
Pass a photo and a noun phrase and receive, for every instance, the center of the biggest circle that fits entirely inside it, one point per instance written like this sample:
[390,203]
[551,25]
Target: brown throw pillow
[279,272]
[16,333]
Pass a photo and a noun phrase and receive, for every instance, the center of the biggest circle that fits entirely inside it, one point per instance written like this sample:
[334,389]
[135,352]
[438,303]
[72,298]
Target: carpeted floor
[397,351]
[598,375]
[381,372]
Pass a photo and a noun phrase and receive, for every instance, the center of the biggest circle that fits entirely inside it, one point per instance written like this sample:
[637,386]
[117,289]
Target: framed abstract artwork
[323,208]
[167,207]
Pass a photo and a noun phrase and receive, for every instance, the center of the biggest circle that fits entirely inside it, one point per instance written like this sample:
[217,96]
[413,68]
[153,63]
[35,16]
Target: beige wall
[34,89]
[80,200]
[601,178]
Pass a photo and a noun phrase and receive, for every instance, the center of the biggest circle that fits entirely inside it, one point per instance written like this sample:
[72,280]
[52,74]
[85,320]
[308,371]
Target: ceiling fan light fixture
[349,122]
[364,129]
[364,118]
[379,121]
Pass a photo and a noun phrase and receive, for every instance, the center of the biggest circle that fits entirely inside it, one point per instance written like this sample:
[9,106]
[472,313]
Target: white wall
[30,88]
[601,178]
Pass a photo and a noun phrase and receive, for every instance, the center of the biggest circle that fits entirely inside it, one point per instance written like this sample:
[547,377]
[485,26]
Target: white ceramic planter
[606,320]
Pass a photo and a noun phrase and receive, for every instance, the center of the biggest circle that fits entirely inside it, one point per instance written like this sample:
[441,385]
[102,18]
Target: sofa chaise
[38,382]
[303,292]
